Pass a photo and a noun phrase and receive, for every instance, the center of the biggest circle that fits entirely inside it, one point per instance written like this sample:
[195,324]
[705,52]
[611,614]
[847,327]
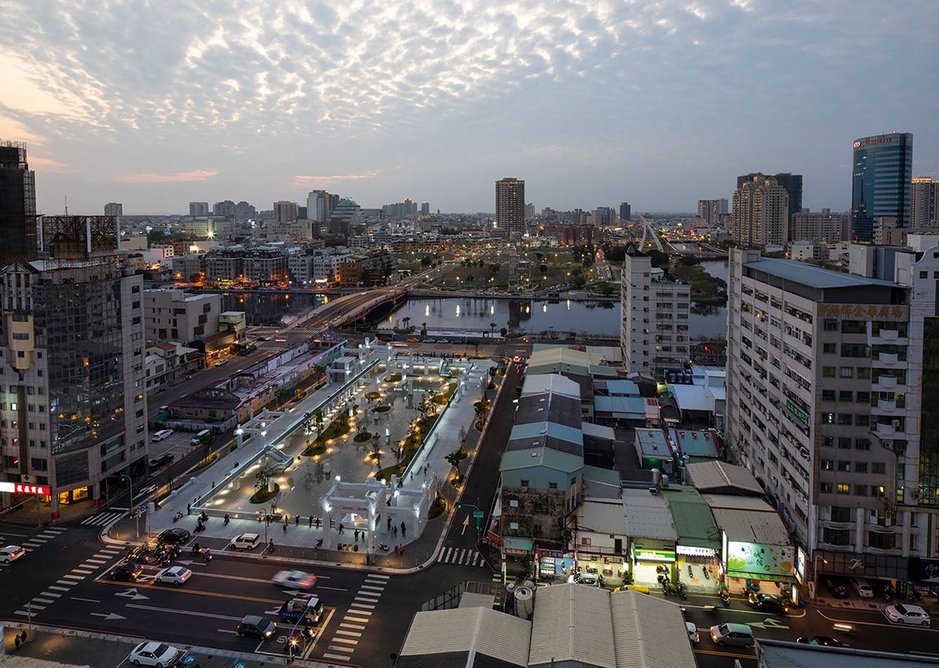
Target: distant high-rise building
[17,203]
[761,212]
[529,212]
[286,212]
[924,202]
[821,225]
[510,207]
[625,211]
[881,182]
[245,211]
[792,183]
[317,206]
[225,208]
[113,209]
[332,202]
[425,208]
[710,210]
[198,208]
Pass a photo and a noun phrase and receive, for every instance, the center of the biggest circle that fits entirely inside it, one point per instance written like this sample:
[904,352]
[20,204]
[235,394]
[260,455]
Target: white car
[175,575]
[294,580]
[156,654]
[904,613]
[161,435]
[693,634]
[11,553]
[245,541]
[589,579]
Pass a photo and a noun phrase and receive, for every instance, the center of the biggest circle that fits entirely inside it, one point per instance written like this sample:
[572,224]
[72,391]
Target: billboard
[755,560]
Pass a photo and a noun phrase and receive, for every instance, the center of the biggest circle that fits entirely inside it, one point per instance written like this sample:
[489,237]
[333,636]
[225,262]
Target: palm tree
[454,459]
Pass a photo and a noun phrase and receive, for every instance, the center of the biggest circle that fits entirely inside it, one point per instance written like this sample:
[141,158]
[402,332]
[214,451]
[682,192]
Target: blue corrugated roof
[622,387]
[631,406]
[552,429]
[815,277]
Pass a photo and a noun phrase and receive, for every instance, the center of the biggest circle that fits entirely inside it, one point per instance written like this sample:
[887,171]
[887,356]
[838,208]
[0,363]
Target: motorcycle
[199,527]
[319,542]
[725,598]
[227,519]
[206,556]
[177,516]
[690,574]
[705,569]
[682,591]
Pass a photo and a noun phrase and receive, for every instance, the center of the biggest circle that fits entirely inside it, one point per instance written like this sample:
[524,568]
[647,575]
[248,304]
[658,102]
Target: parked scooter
[177,516]
[682,591]
[706,576]
[725,597]
[690,574]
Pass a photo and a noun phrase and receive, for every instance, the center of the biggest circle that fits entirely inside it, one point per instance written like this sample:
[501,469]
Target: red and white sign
[24,488]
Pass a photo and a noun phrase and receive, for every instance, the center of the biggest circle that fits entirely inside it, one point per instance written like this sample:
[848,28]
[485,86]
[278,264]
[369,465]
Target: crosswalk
[102,519]
[352,625]
[54,592]
[461,556]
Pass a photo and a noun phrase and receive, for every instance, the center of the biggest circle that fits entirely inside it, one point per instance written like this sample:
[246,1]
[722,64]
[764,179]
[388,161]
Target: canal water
[478,314]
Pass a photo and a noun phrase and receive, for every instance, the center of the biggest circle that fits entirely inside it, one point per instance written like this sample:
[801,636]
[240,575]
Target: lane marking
[47,601]
[335,656]
[176,611]
[357,627]
[347,641]
[333,588]
[89,600]
[53,587]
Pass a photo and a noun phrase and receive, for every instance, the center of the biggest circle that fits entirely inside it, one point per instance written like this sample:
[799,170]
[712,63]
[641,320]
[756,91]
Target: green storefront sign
[797,413]
[646,554]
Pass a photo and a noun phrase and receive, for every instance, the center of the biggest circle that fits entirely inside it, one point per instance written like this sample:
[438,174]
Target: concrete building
[924,202]
[113,209]
[625,211]
[654,328]
[710,210]
[225,209]
[199,208]
[881,182]
[317,206]
[72,410]
[17,204]
[826,381]
[821,226]
[286,212]
[173,315]
[510,207]
[792,183]
[761,211]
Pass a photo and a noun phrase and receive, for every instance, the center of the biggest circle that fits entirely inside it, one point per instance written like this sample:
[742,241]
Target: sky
[592,102]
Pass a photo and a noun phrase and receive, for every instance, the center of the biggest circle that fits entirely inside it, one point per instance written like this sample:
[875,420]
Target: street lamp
[815,574]
[131,503]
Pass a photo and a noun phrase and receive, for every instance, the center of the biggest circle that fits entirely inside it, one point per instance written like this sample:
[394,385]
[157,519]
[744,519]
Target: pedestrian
[298,520]
[403,532]
[189,509]
[340,527]
[311,521]
[16,641]
[389,523]
[356,535]
[394,531]
[285,527]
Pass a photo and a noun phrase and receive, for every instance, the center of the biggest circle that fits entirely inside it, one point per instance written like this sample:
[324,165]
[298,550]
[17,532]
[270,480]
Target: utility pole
[131,503]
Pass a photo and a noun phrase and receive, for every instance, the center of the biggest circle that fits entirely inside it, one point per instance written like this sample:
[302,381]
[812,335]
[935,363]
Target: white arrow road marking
[768,623]
[465,525]
[133,595]
[110,617]
[176,611]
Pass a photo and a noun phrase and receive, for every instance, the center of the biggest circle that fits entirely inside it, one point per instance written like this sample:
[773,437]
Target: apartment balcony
[884,383]
[888,359]
[885,429]
[886,405]
[885,336]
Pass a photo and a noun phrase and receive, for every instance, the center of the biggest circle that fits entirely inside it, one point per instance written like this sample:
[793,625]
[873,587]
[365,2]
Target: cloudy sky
[592,102]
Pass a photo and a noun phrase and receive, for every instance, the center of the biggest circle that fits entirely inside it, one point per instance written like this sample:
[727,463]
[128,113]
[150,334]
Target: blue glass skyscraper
[882,174]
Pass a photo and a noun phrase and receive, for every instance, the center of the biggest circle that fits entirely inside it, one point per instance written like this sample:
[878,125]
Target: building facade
[199,208]
[821,226]
[113,209]
[827,375]
[761,212]
[510,207]
[710,210]
[654,334]
[625,211]
[17,204]
[881,180]
[173,315]
[924,203]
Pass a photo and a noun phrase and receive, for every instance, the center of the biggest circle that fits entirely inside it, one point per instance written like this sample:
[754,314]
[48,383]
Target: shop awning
[517,545]
[763,577]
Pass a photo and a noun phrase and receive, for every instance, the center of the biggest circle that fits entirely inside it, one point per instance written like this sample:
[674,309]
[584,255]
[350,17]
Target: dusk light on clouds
[591,102]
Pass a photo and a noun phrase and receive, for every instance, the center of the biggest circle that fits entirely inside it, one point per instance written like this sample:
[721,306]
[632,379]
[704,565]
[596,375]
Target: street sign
[479,514]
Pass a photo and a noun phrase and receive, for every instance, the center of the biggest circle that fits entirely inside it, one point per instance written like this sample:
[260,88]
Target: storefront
[698,548]
[699,568]
[652,537]
[650,559]
[554,564]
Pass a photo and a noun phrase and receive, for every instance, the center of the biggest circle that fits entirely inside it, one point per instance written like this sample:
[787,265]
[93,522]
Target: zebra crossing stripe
[357,627]
[353,634]
[366,613]
[43,600]
[378,589]
[347,641]
[334,656]
[378,576]
[55,588]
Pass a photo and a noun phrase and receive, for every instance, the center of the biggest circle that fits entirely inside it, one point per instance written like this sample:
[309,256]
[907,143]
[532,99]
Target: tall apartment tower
[510,207]
[792,184]
[625,211]
[881,180]
[225,208]
[710,210]
[114,209]
[924,202]
[317,206]
[72,408]
[198,209]
[833,403]
[821,226]
[761,212]
[286,212]
[18,233]
[654,311]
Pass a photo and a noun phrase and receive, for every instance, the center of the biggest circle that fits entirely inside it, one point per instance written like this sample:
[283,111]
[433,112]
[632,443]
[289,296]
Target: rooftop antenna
[66,205]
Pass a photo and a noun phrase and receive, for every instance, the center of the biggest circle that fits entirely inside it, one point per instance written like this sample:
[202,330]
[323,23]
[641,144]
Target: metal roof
[692,516]
[779,654]
[652,442]
[552,459]
[749,526]
[601,516]
[649,632]
[647,515]
[554,407]
[704,443]
[572,623]
[717,476]
[813,277]
[471,630]
[554,383]
[550,429]
[632,407]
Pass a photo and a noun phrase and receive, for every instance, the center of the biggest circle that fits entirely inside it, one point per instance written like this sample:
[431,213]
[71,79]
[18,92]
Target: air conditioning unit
[896,424]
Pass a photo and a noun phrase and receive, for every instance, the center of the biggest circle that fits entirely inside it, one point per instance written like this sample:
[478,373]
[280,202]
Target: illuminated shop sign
[643,554]
[23,488]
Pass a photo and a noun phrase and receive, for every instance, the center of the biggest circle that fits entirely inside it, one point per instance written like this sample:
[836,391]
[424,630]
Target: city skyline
[657,105]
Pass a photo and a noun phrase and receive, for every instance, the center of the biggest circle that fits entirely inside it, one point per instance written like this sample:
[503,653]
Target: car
[837,589]
[256,627]
[693,634]
[161,461]
[156,654]
[245,541]
[739,635]
[823,641]
[145,492]
[10,553]
[128,570]
[589,579]
[442,341]
[774,605]
[174,575]
[221,362]
[176,536]
[904,613]
[161,435]
[294,579]
[413,340]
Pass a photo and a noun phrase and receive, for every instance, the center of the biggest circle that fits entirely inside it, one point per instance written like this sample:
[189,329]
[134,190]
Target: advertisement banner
[755,559]
[924,570]
[24,488]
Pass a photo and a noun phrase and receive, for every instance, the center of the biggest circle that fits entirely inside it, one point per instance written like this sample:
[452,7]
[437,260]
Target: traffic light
[459,505]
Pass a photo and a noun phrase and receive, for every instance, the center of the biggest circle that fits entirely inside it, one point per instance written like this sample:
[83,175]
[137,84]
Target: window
[846,372]
[845,419]
[863,397]
[552,485]
[844,466]
[845,395]
[877,467]
[862,444]
[826,488]
[584,540]
[828,395]
[829,348]
[863,372]
[841,514]
[524,483]
[844,442]
[836,536]
[827,465]
[828,372]
[862,419]
[860,467]
[843,488]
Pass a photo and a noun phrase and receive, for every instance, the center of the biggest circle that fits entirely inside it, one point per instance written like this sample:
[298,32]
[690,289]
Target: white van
[738,635]
[245,541]
[863,588]
[161,435]
[197,439]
